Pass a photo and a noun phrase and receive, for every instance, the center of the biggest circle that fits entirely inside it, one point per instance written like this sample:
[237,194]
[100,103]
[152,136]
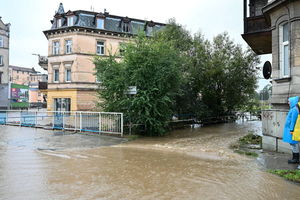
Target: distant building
[29,77]
[20,75]
[36,94]
[73,40]
[274,27]
[4,62]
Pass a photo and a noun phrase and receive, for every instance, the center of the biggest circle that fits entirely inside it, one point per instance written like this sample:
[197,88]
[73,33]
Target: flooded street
[187,164]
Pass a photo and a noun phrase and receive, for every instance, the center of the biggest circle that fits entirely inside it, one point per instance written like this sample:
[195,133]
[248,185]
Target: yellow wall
[52,94]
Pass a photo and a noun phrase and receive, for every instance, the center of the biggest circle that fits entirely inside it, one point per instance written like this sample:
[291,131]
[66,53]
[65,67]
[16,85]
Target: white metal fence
[99,122]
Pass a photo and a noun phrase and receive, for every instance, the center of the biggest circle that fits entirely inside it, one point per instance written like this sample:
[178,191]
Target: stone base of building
[72,100]
[273,121]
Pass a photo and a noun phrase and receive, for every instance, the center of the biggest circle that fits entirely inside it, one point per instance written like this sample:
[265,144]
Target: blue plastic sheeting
[58,121]
[28,119]
[3,118]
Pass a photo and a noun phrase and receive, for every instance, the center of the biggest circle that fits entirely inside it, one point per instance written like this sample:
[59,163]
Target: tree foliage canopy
[151,65]
[177,73]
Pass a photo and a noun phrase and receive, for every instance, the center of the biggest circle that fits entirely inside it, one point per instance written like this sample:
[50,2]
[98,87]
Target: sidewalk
[275,160]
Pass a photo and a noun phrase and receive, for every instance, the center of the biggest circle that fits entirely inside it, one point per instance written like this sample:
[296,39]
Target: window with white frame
[55,48]
[58,23]
[100,48]
[55,75]
[100,23]
[1,60]
[1,42]
[284,50]
[68,73]
[70,21]
[68,46]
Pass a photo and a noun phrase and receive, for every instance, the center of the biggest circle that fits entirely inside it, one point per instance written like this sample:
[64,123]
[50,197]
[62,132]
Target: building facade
[73,40]
[4,62]
[36,96]
[4,52]
[20,75]
[29,77]
[274,27]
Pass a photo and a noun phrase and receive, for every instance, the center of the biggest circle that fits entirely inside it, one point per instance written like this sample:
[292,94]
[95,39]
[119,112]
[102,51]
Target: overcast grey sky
[29,18]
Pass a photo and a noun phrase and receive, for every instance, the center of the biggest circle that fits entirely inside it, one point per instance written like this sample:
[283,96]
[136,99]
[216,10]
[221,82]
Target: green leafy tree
[150,64]
[228,80]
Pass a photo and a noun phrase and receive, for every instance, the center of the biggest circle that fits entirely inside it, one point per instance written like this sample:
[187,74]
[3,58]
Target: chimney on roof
[105,12]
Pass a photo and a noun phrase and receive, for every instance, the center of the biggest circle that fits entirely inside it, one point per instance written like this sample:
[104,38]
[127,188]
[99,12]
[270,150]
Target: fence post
[21,118]
[63,119]
[100,122]
[80,121]
[75,124]
[35,119]
[6,119]
[53,119]
[121,124]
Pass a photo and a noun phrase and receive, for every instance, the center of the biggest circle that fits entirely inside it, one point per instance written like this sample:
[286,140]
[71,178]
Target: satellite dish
[267,70]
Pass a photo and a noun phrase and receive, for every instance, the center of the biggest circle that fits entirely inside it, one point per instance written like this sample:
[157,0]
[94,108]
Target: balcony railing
[43,85]
[256,24]
[43,62]
[257,32]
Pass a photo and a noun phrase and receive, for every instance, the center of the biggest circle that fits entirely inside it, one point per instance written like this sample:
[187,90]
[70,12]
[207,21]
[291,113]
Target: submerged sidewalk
[275,160]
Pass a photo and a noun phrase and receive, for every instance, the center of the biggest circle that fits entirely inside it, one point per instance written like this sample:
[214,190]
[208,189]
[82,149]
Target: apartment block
[74,39]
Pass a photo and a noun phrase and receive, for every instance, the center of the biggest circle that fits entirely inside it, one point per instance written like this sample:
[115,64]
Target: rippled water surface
[187,164]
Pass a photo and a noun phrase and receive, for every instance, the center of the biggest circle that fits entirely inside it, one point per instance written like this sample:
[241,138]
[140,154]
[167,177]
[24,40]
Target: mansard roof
[112,23]
[4,26]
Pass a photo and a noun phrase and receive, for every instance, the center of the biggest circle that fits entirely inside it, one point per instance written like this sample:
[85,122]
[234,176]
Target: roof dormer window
[125,27]
[70,21]
[59,22]
[100,23]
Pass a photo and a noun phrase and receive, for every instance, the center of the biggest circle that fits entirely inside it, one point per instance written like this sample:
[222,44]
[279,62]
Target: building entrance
[62,104]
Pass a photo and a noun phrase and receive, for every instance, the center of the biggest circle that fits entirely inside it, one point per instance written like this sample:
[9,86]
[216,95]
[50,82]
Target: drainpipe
[245,16]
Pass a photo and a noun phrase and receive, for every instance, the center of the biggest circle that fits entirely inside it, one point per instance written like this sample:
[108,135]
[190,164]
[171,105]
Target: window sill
[283,80]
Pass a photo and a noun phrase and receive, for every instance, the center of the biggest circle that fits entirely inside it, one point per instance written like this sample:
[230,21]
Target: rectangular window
[56,75]
[68,75]
[1,60]
[100,23]
[70,21]
[0,77]
[62,104]
[100,48]
[55,50]
[284,50]
[68,46]
[1,41]
[58,23]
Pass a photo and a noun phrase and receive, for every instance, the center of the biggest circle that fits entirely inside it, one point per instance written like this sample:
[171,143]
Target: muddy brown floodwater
[187,164]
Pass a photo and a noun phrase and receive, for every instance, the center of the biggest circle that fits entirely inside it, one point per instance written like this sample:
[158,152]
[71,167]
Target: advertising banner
[19,96]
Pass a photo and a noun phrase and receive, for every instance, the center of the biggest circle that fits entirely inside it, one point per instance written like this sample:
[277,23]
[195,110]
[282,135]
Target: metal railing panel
[97,122]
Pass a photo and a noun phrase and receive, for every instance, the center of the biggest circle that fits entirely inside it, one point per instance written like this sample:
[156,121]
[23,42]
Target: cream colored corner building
[73,40]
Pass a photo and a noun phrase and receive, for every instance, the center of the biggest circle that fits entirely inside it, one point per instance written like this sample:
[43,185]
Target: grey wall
[4,102]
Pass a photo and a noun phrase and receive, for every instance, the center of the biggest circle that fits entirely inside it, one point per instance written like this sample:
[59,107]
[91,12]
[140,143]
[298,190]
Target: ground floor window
[62,104]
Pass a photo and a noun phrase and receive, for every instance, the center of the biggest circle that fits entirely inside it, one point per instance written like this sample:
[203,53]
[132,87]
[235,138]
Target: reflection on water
[187,164]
